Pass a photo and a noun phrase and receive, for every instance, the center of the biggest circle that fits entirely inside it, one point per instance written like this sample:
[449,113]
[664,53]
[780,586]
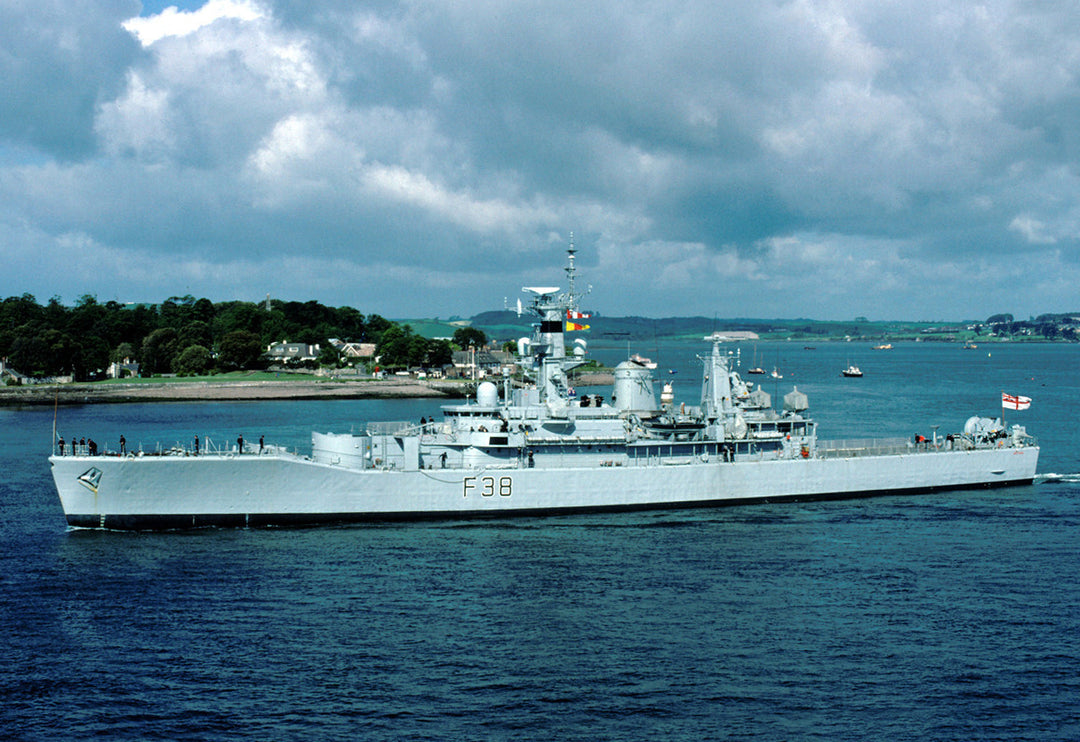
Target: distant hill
[506,325]
[433,328]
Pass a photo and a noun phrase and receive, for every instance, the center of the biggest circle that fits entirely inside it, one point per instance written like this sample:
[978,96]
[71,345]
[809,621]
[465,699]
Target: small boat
[852,371]
[757,370]
[776,374]
[886,346]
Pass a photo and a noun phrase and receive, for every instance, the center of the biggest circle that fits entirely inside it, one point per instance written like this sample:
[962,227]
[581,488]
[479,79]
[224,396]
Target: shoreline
[227,391]
[242,391]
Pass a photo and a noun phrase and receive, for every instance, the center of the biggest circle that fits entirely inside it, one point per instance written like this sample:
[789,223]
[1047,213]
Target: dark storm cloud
[778,158]
[58,60]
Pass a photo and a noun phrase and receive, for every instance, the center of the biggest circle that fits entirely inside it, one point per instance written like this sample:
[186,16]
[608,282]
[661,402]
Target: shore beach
[216,391]
[219,391]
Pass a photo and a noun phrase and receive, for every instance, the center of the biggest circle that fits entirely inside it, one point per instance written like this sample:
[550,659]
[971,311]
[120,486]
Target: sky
[889,159]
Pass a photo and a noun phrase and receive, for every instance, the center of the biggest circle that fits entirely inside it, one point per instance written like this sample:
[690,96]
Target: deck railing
[846,449]
[392,427]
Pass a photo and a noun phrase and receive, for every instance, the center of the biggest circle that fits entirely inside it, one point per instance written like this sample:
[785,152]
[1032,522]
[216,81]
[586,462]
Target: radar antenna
[570,252]
[572,296]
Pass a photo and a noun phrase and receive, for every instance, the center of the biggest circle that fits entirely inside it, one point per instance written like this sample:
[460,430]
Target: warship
[528,445]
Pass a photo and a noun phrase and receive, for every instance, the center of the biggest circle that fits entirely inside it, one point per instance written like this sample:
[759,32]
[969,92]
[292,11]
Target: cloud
[778,159]
[1032,230]
[58,60]
[172,22]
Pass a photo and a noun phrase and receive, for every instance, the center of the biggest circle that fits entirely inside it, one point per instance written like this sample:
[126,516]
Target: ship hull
[172,492]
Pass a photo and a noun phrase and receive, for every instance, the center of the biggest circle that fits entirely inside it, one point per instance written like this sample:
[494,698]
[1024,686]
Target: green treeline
[190,336]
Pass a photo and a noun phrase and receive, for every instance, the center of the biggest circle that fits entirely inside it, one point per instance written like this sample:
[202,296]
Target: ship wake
[1052,478]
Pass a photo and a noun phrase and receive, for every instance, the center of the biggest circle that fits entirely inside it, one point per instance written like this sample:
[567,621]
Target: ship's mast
[550,358]
[570,252]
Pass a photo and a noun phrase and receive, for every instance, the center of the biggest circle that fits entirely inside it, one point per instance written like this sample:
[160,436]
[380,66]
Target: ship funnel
[633,390]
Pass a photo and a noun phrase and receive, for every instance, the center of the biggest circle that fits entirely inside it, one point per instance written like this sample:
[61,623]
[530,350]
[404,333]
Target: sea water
[951,616]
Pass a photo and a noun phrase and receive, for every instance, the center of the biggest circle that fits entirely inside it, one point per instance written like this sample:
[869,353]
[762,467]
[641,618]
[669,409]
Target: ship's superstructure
[530,444]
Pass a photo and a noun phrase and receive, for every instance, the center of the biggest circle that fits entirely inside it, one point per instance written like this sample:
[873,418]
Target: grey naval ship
[532,447]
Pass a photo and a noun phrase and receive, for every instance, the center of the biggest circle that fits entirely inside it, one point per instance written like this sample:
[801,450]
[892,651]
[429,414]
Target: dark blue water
[939,617]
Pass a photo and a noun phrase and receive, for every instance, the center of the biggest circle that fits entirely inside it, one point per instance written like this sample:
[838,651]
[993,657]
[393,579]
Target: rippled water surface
[952,616]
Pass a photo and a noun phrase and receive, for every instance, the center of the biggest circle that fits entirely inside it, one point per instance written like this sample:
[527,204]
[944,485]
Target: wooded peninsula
[186,336]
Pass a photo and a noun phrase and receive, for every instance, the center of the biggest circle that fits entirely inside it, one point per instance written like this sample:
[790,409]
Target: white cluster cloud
[172,22]
[790,158]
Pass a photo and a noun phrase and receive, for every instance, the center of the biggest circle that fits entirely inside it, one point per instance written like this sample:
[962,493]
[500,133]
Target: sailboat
[756,369]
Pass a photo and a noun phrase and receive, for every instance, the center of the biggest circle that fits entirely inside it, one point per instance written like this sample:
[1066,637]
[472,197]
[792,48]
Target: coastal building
[286,352]
[479,364]
[10,376]
[353,350]
[122,369]
[733,336]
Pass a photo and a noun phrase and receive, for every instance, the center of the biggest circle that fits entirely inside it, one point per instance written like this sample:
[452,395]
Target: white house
[285,352]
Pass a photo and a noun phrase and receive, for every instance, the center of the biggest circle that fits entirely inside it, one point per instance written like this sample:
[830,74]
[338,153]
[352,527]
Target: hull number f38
[488,486]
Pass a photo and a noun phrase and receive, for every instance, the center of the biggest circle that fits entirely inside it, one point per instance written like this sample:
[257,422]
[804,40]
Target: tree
[159,350]
[239,349]
[418,351]
[122,351]
[393,346]
[400,346]
[195,332]
[91,356]
[466,336]
[329,356]
[30,354]
[239,315]
[19,310]
[203,311]
[439,353]
[61,354]
[1049,330]
[351,324]
[88,317]
[195,360]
